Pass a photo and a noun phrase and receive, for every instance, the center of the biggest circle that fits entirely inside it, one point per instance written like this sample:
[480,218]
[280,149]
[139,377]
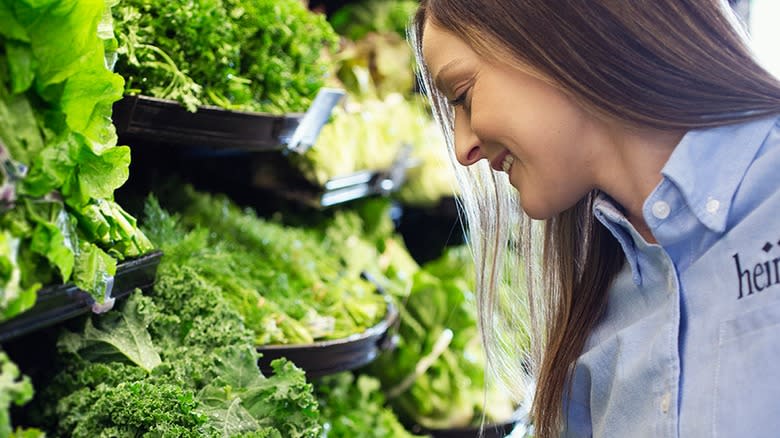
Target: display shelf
[140,118]
[56,304]
[328,357]
[429,230]
[285,181]
[490,431]
[337,191]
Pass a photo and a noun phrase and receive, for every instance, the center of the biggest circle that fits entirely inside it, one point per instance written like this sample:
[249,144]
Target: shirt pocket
[747,387]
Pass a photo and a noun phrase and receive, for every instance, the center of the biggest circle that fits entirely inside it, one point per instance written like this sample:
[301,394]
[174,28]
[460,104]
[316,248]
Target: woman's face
[521,124]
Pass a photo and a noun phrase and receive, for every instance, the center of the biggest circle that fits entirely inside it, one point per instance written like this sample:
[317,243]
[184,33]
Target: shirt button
[712,206]
[665,402]
[661,210]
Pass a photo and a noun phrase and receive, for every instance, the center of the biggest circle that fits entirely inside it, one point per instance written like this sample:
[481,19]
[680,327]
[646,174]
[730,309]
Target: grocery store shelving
[58,303]
[143,118]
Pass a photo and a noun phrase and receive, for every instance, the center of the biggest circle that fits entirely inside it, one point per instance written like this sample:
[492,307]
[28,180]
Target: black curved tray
[500,430]
[56,304]
[167,121]
[329,357]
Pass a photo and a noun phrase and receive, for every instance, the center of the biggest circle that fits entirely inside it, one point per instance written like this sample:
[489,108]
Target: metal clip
[393,178]
[12,172]
[305,135]
[108,300]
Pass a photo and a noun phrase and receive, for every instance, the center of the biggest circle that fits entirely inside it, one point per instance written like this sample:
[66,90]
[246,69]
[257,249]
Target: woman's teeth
[507,163]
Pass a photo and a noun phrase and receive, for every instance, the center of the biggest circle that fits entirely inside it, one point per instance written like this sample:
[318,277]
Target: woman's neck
[630,168]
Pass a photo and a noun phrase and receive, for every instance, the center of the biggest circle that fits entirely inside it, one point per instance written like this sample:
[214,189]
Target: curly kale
[132,408]
[178,363]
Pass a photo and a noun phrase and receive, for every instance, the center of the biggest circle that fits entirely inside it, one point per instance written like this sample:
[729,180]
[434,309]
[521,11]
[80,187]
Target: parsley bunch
[256,55]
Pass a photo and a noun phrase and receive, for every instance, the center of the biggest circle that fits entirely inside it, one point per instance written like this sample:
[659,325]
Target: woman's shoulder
[726,171]
[760,182]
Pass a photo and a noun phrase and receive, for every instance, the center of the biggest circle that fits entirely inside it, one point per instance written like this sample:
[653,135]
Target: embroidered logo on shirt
[760,276]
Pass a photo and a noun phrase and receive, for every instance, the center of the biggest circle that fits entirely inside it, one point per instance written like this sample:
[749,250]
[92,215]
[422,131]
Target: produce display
[436,376]
[181,359]
[351,404]
[180,363]
[382,115]
[255,55]
[292,285]
[60,162]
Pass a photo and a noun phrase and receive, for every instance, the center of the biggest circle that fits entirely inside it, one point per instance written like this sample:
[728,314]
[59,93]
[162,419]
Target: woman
[643,141]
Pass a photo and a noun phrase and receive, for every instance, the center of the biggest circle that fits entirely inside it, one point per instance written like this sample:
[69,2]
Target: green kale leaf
[119,334]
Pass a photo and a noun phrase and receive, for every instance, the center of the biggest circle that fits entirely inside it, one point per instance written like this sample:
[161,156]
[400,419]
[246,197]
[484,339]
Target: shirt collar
[607,212]
[708,165]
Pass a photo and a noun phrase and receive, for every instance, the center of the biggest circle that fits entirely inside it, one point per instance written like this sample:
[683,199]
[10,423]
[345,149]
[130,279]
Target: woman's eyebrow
[440,84]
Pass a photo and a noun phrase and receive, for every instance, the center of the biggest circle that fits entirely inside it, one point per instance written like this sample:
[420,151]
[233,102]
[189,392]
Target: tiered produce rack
[246,159]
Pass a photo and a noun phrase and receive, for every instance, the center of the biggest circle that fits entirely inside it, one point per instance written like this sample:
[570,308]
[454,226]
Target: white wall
[765,32]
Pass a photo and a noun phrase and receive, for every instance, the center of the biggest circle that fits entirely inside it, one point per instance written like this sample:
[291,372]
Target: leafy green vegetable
[14,389]
[129,409]
[56,96]
[14,298]
[355,406]
[54,234]
[122,333]
[363,237]
[204,382]
[369,136]
[260,55]
[85,89]
[383,16]
[94,270]
[435,377]
[292,285]
[240,399]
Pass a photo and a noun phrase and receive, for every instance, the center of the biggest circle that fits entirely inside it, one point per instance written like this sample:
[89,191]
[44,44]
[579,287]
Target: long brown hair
[665,64]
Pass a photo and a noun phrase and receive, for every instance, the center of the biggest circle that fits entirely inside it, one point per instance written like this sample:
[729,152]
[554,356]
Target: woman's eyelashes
[462,100]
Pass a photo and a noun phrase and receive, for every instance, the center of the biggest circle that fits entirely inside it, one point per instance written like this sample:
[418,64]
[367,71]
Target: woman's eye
[461,100]
[458,101]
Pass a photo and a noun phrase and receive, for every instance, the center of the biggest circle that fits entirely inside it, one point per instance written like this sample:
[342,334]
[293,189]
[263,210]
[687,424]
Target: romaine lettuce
[56,95]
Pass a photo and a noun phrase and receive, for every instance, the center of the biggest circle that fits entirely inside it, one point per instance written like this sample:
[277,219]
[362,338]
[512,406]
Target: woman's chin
[537,211]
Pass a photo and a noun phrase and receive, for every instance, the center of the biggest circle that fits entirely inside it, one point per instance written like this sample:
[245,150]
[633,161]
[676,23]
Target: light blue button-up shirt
[689,345]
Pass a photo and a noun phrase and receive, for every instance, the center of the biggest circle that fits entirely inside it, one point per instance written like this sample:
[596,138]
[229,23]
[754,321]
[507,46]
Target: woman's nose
[467,144]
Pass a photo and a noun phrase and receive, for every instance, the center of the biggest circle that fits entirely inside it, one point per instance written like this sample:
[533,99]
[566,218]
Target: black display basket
[144,118]
[328,357]
[56,304]
[489,431]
